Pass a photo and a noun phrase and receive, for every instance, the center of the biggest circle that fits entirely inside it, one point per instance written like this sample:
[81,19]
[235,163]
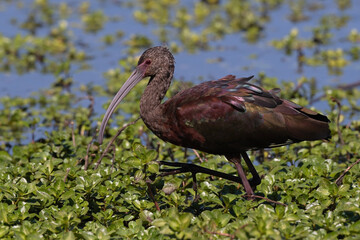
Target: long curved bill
[134,78]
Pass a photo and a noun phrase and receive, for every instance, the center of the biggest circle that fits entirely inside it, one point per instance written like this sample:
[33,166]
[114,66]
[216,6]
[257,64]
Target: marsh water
[285,40]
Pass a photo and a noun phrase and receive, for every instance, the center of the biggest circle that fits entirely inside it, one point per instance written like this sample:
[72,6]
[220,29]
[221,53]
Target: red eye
[148,62]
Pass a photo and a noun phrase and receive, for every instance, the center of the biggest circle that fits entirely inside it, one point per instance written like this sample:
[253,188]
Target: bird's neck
[154,94]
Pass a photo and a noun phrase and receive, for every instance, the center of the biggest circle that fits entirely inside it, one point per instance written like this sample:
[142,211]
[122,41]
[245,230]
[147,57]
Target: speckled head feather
[161,60]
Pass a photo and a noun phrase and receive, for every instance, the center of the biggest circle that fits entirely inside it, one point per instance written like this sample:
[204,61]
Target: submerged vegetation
[56,182]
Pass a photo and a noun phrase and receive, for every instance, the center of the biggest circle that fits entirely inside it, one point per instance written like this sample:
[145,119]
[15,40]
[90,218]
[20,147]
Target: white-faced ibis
[227,117]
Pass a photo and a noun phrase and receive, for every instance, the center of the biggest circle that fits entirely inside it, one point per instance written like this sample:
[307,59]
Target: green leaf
[153,167]
[68,236]
[5,156]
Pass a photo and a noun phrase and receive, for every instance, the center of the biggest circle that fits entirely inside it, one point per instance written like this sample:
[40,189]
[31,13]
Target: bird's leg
[195,187]
[256,180]
[237,161]
[186,167]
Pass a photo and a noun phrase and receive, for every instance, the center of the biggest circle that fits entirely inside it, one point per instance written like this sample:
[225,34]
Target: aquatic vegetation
[55,182]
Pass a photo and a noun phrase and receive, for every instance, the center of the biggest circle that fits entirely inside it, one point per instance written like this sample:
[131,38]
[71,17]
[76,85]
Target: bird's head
[155,59]
[150,63]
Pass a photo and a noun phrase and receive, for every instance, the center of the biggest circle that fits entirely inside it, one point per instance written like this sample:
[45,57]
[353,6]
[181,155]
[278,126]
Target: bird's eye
[148,62]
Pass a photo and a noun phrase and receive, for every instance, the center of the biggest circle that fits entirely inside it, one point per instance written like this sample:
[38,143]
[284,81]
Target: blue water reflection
[235,53]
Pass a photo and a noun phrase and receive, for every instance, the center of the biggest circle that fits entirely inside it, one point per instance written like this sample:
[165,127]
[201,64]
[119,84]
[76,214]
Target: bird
[226,117]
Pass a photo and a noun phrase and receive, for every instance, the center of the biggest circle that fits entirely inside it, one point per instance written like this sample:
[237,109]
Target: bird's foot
[250,196]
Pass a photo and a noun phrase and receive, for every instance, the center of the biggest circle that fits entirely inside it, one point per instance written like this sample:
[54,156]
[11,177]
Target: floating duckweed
[94,22]
[354,36]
